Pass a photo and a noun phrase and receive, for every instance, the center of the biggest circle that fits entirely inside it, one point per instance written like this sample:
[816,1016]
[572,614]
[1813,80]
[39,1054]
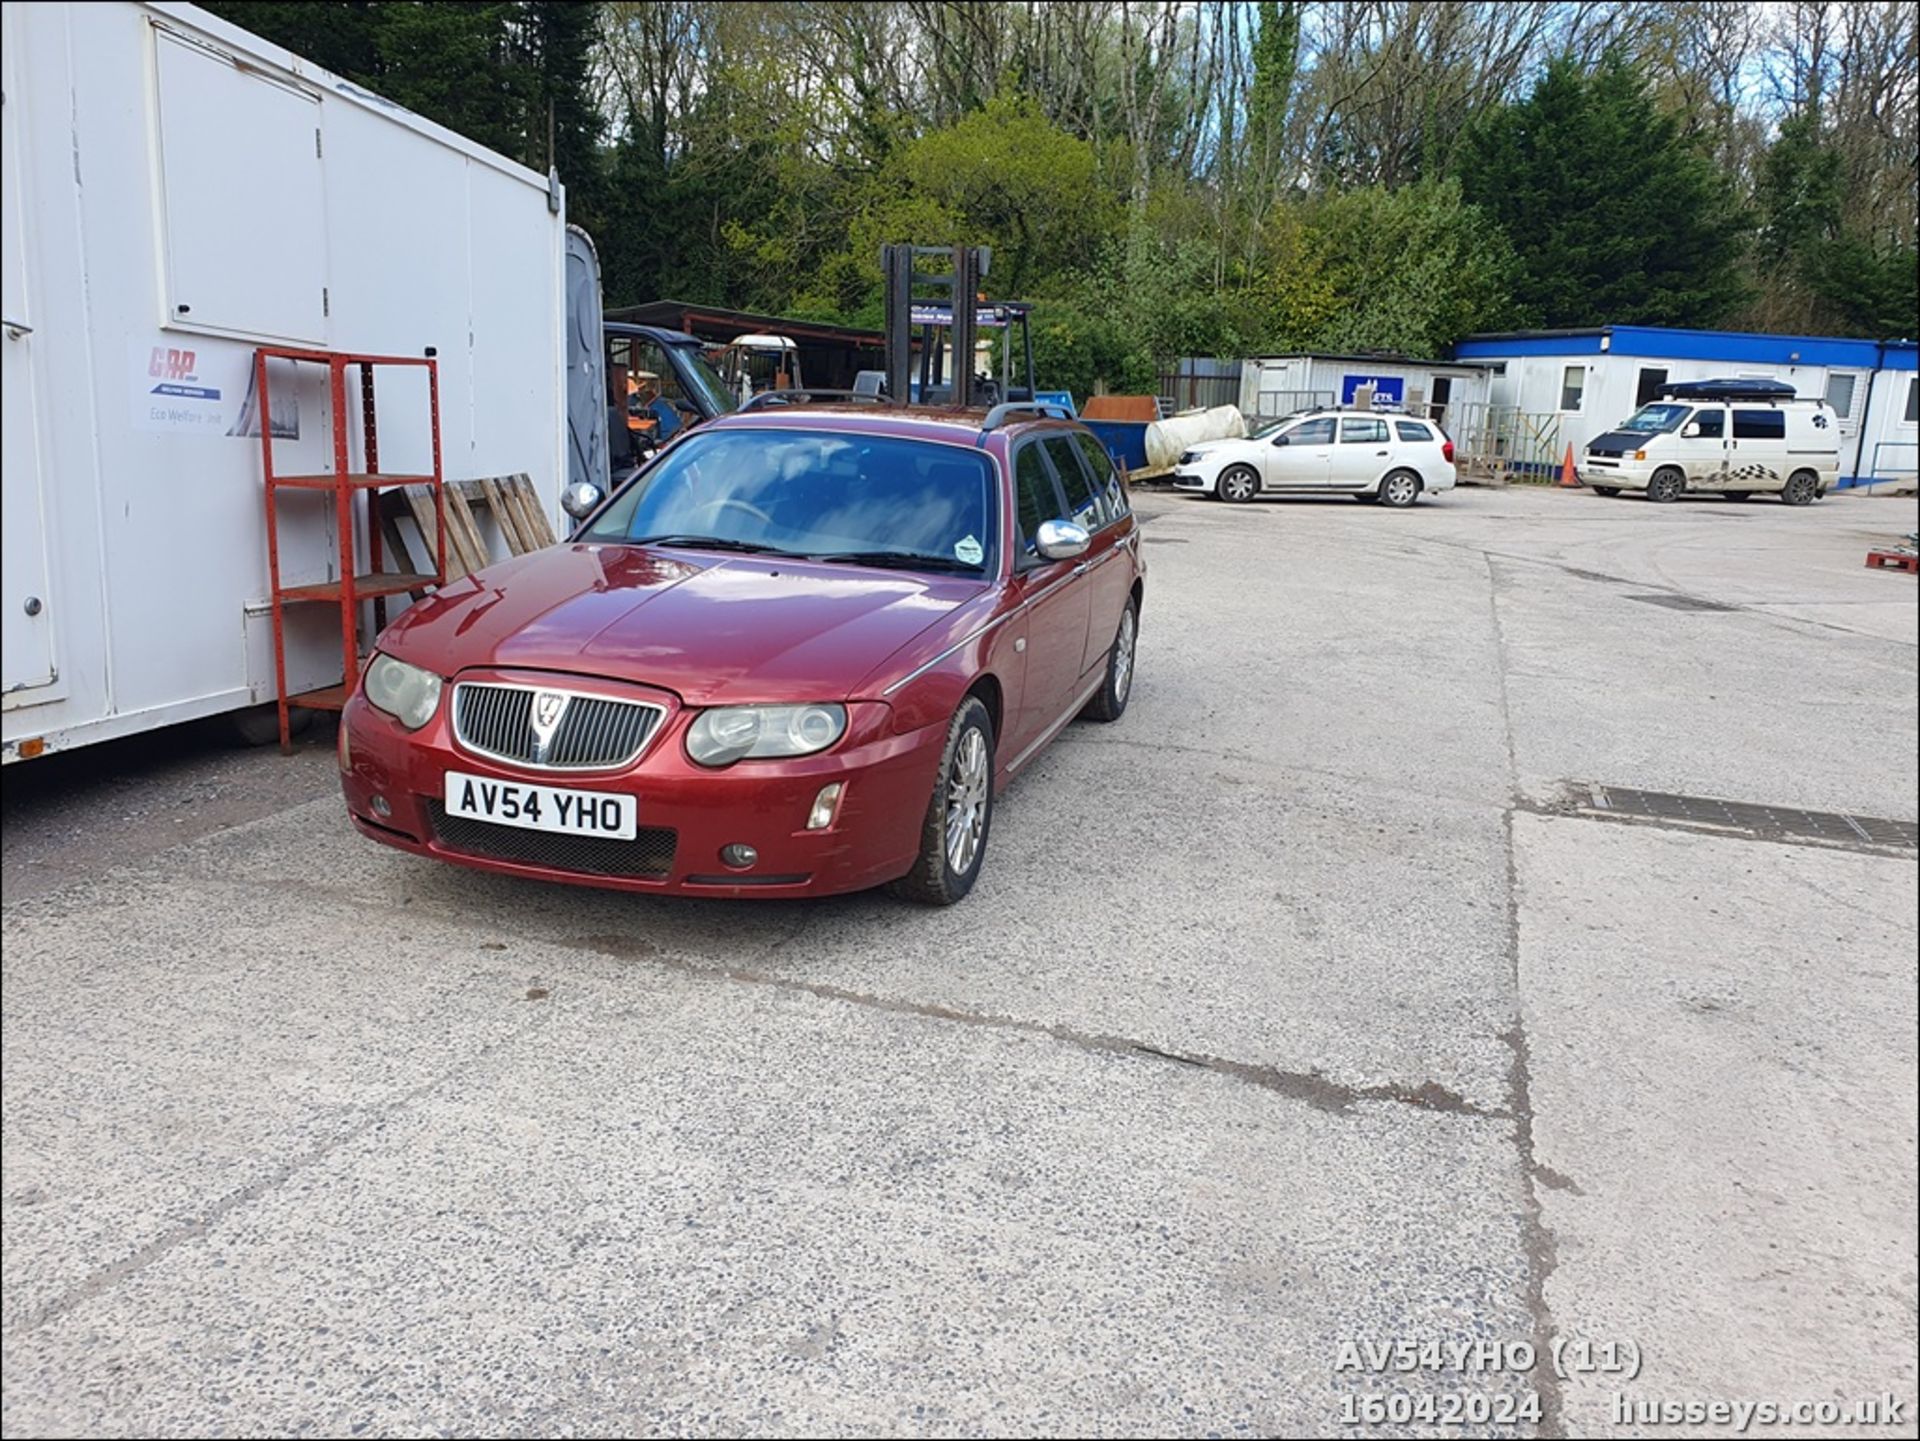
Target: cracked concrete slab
[662,1190]
[1722,1081]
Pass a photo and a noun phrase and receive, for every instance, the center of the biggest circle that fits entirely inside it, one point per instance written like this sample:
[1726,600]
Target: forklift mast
[939,285]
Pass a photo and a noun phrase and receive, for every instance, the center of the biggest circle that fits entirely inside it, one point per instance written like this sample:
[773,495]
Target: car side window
[1113,490]
[1759,425]
[1311,432]
[1083,503]
[1411,430]
[1712,423]
[1362,430]
[1035,500]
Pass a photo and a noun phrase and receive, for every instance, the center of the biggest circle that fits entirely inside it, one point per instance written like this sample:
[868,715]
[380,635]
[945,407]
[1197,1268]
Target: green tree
[1016,181]
[1419,267]
[1614,215]
[1827,274]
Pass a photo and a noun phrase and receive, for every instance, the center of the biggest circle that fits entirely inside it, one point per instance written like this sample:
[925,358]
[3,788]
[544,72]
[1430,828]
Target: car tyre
[1800,489]
[1398,489]
[1609,491]
[959,813]
[1111,701]
[1238,484]
[1666,485]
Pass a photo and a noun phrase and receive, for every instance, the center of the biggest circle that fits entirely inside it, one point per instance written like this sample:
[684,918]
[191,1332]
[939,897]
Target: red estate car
[798,654]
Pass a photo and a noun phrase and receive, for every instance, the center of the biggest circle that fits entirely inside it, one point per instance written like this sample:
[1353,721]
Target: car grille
[593,732]
[650,853]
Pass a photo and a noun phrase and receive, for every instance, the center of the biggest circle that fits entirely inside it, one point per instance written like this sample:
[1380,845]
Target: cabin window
[1913,400]
[1840,394]
[1573,387]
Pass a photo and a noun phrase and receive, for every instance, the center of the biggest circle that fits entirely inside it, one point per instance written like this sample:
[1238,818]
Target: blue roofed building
[1593,378]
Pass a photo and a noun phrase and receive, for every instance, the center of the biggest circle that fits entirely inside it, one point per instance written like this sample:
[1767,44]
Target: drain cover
[1682,602]
[1765,822]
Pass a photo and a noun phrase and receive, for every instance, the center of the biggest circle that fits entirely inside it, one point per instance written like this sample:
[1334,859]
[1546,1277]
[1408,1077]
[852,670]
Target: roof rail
[804,395]
[1008,409]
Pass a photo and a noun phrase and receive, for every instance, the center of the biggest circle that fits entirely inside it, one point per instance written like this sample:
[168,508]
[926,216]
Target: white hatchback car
[1386,457]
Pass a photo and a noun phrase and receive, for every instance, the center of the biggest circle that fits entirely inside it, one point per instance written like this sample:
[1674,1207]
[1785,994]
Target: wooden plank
[503,515]
[420,502]
[463,533]
[534,523]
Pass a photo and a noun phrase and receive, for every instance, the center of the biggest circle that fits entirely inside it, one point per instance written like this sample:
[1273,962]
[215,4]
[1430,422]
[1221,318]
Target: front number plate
[543,808]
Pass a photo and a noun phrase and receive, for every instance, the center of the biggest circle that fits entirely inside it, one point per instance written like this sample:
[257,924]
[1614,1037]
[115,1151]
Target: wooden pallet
[510,499]
[1894,560]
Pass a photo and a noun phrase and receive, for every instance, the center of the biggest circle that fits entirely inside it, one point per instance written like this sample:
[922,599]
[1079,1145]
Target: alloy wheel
[967,782]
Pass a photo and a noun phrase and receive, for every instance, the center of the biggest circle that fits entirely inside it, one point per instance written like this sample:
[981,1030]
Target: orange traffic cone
[1568,475]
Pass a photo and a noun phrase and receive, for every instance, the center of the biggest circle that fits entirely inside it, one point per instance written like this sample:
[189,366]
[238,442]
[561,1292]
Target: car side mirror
[579,499]
[1690,431]
[1061,540]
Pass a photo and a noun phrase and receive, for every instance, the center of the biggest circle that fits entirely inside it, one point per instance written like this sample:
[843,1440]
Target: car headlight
[753,732]
[407,693]
[1188,457]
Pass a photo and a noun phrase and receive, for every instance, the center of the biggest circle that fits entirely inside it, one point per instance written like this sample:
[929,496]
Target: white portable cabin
[1595,378]
[1272,386]
[178,191]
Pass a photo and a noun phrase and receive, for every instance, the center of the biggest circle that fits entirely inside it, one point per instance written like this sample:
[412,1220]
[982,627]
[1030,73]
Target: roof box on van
[1729,390]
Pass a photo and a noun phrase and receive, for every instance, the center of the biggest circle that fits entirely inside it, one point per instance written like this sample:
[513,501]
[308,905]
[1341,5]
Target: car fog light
[739,857]
[381,808]
[824,805]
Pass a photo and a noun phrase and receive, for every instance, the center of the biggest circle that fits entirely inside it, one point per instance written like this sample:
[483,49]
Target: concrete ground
[1303,1011]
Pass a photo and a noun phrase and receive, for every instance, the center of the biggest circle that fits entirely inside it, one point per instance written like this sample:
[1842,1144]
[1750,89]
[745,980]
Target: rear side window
[1759,425]
[1113,492]
[1083,504]
[1411,430]
[1360,430]
[1712,423]
[1035,499]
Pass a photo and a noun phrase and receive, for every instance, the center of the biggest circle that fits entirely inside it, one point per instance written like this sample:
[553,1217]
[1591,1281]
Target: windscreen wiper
[711,542]
[899,560]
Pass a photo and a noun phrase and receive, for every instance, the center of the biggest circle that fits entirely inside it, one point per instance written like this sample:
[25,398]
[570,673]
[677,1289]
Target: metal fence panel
[1503,444]
[1199,382]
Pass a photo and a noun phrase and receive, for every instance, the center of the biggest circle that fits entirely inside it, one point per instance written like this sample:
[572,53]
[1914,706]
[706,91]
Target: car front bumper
[687,813]
[1192,480]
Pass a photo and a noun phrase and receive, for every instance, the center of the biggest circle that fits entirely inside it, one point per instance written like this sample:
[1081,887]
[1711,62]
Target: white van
[1734,437]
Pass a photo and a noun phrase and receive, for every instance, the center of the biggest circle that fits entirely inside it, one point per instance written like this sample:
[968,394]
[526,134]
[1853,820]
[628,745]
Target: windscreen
[1655,419]
[701,376]
[815,494]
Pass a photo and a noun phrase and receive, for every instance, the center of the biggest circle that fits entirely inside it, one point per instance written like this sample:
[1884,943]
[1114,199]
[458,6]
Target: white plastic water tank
[1167,438]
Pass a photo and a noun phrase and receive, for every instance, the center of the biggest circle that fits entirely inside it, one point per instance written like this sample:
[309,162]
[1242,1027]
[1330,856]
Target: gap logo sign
[173,368]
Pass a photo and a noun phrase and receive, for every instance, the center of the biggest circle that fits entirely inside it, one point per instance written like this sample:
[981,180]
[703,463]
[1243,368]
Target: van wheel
[953,835]
[1666,485]
[1237,484]
[1801,486]
[1400,489]
[1609,491]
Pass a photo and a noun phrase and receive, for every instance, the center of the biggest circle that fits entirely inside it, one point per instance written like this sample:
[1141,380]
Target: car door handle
[1382,452]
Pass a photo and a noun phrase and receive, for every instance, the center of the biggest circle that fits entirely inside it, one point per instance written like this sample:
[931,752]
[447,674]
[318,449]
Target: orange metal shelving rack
[353,586]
